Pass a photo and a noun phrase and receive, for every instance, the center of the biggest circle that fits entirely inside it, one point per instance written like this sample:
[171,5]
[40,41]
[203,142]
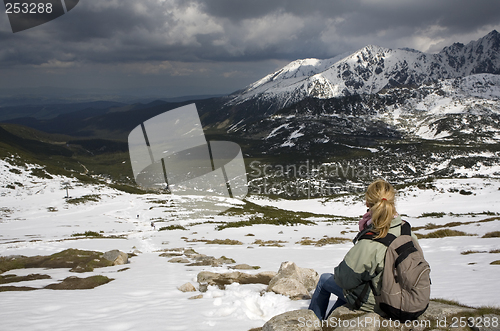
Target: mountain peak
[372,49]
[493,34]
[494,38]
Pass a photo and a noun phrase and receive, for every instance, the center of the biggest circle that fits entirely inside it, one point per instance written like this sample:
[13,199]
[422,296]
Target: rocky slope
[465,110]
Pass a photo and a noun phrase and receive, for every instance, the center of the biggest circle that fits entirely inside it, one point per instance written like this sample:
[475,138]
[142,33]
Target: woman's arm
[363,262]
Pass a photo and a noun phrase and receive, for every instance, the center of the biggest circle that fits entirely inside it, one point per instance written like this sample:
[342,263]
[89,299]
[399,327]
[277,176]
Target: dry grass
[442,233]
[494,234]
[172,227]
[84,199]
[92,234]
[493,251]
[16,288]
[15,279]
[324,241]
[269,243]
[432,226]
[472,252]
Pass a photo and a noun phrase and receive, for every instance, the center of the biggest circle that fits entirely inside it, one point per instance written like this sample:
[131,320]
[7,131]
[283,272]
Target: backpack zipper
[420,275]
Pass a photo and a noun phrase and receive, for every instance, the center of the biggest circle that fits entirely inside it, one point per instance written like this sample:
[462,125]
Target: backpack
[406,283]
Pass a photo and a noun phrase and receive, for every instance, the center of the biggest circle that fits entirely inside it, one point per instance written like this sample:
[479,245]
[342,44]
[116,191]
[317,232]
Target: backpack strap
[403,252]
[406,229]
[387,240]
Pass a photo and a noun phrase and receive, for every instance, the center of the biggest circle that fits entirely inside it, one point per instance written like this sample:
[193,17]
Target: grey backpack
[406,283]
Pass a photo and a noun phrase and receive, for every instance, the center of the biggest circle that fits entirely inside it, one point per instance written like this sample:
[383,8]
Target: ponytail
[380,198]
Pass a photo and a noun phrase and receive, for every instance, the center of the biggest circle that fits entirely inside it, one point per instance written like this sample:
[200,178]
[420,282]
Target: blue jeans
[321,296]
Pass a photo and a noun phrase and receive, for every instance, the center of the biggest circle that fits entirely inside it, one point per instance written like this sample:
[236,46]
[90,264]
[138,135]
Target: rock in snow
[116,256]
[293,281]
[188,287]
[212,278]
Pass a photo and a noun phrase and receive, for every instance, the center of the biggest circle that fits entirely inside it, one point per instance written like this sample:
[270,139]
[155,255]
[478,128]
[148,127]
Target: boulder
[243,266]
[178,260]
[120,260]
[439,310]
[436,315]
[295,320]
[188,287]
[290,287]
[206,278]
[189,251]
[203,260]
[293,281]
[116,256]
[170,254]
[343,319]
[195,259]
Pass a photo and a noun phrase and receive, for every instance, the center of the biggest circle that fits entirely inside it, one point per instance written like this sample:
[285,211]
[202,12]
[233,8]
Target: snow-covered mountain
[370,70]
[361,99]
[463,110]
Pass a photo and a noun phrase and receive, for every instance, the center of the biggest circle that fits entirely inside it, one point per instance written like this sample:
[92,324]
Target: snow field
[145,296]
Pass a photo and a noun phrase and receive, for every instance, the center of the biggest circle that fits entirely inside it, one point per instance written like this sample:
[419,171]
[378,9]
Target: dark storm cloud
[238,10]
[457,15]
[453,16]
[220,37]
[229,30]
[104,32]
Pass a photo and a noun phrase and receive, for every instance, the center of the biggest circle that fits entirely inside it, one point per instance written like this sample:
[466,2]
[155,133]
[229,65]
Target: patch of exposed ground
[76,283]
[75,259]
[5,279]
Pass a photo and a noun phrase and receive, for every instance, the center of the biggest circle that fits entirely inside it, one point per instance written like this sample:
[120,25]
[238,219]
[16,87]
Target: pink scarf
[365,221]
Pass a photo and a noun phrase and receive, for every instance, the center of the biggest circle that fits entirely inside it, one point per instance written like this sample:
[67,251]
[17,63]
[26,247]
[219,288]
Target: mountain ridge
[371,69]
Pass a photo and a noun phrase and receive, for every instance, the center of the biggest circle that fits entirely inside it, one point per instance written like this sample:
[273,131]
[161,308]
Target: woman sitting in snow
[365,261]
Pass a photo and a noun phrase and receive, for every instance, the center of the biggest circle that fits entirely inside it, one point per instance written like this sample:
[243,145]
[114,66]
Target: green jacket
[363,263]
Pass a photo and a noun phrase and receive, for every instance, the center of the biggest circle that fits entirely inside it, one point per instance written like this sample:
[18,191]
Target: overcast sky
[179,47]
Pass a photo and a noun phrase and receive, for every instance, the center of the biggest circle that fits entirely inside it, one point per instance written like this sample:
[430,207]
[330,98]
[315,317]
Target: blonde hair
[380,199]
